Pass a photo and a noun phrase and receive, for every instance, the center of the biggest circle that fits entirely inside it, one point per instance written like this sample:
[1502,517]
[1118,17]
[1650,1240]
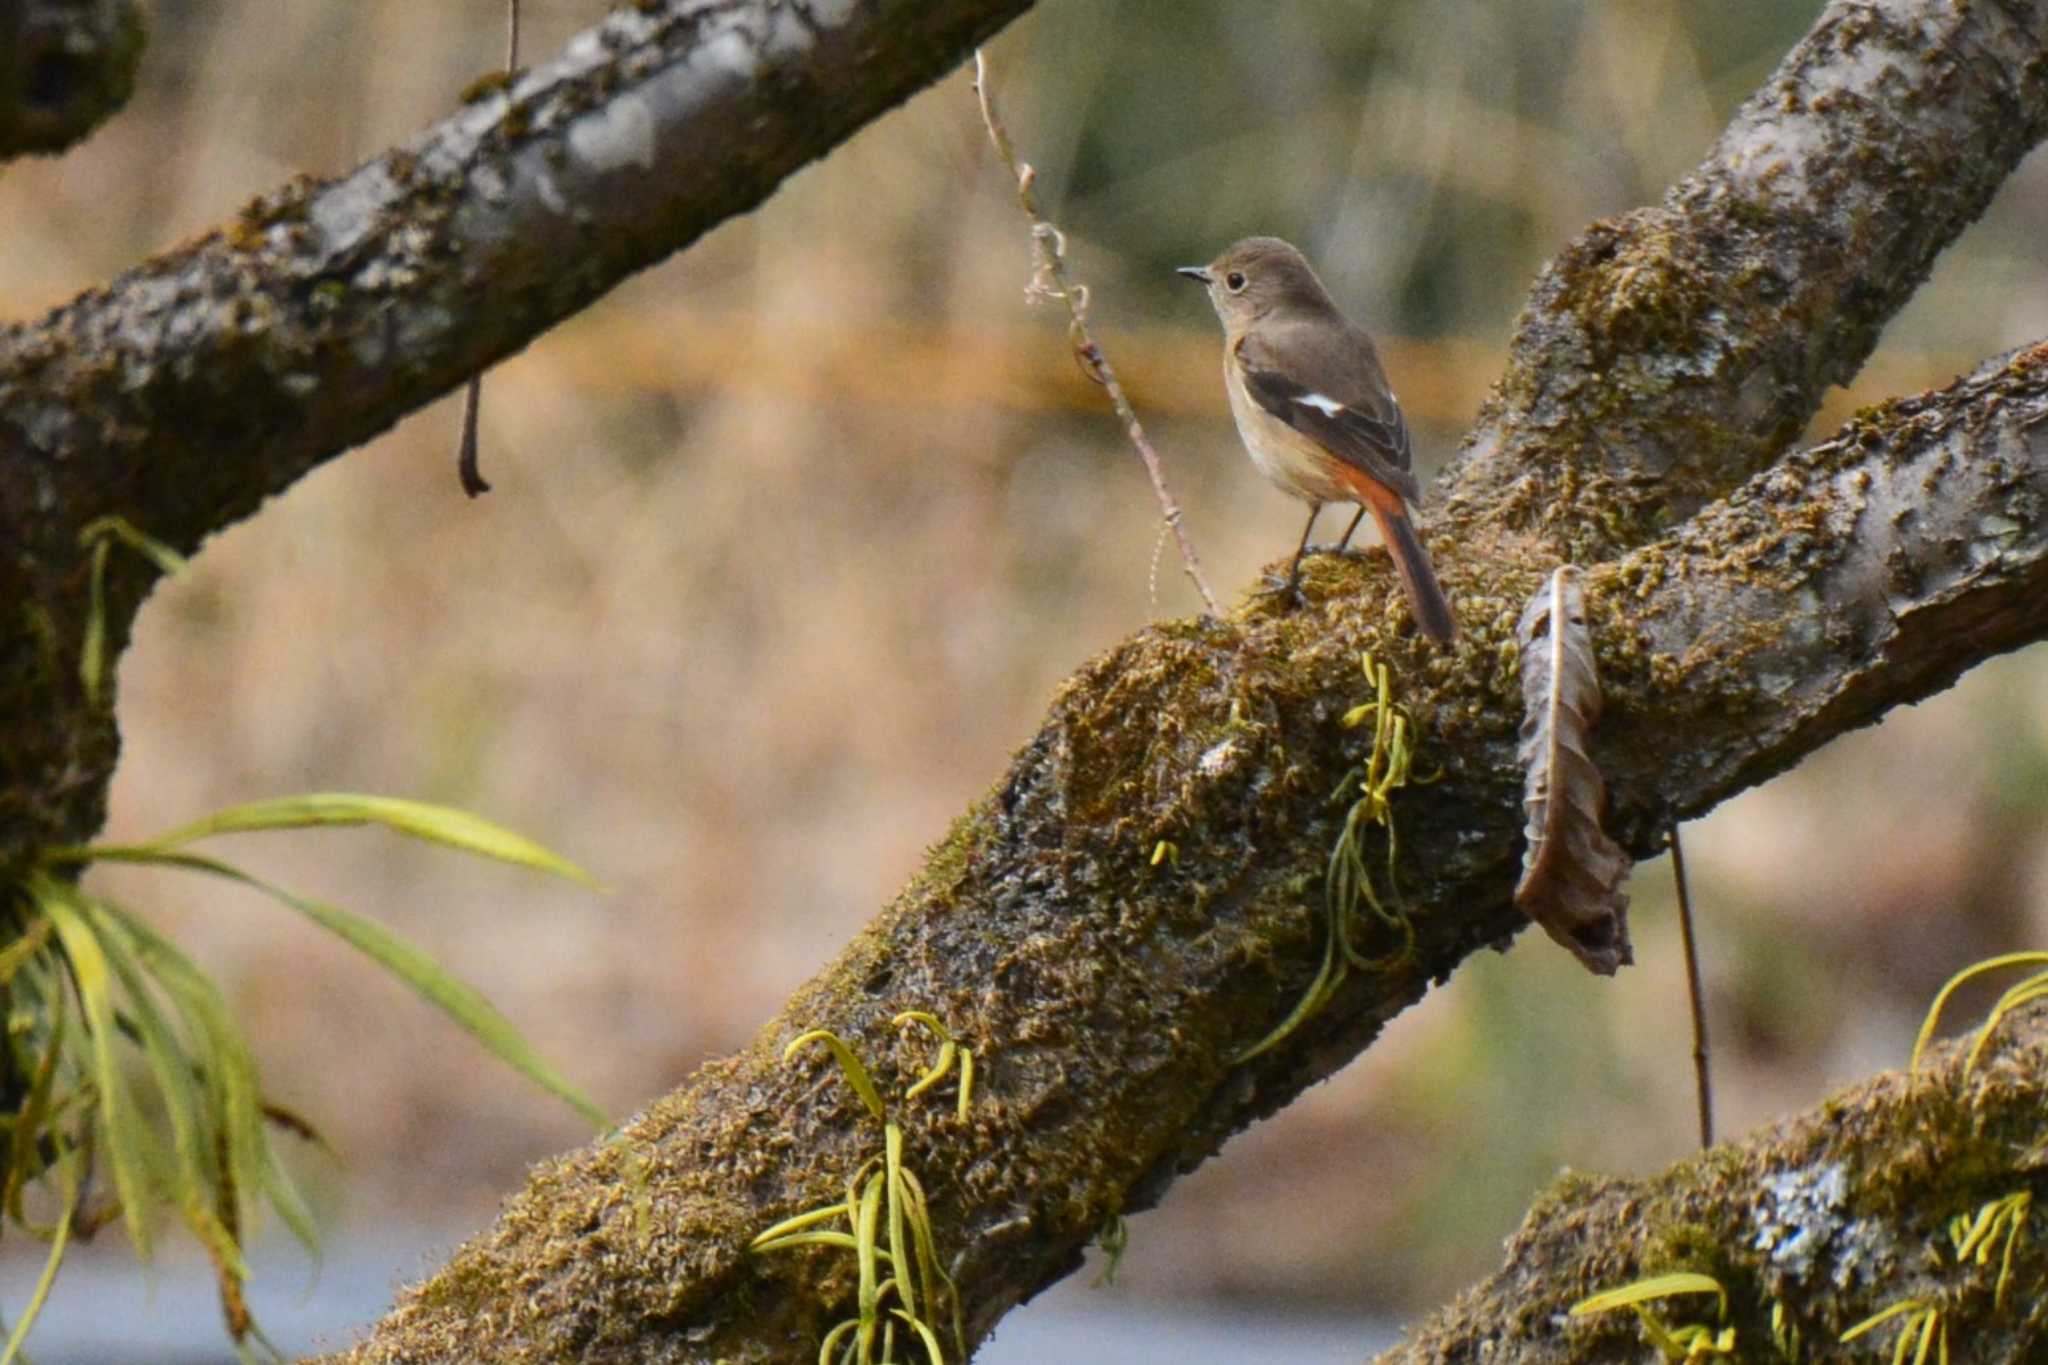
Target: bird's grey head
[1259,276]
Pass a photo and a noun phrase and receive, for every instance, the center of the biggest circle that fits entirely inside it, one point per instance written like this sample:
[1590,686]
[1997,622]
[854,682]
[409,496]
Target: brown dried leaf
[1571,870]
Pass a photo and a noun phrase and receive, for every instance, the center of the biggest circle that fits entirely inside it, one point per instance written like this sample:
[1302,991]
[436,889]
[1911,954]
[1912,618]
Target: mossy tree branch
[1872,569]
[1669,353]
[1106,993]
[1108,996]
[1830,1217]
[217,374]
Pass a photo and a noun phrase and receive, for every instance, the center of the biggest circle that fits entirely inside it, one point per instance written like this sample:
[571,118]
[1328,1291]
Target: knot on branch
[65,67]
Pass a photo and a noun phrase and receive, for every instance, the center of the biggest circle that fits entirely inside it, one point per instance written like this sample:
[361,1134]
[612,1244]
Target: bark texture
[215,375]
[66,66]
[1671,352]
[1108,996]
[1108,990]
[1811,1227]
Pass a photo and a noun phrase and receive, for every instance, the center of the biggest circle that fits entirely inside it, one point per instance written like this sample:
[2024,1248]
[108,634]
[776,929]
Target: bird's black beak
[1198,274]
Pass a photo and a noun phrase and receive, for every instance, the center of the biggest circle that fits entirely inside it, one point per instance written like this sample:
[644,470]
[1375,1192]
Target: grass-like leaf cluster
[124,1067]
[1684,1342]
[901,1282]
[2026,991]
[1347,882]
[1994,1231]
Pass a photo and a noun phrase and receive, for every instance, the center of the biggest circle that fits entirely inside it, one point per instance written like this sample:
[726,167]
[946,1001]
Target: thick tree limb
[1108,996]
[1830,1217]
[1106,992]
[1668,354]
[66,66]
[1870,570]
[196,386]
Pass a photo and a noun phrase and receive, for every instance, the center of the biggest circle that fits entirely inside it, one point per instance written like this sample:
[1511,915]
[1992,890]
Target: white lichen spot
[788,35]
[489,183]
[614,137]
[551,196]
[1798,1215]
[384,273]
[829,13]
[1982,554]
[2003,527]
[1219,759]
[730,51]
[586,49]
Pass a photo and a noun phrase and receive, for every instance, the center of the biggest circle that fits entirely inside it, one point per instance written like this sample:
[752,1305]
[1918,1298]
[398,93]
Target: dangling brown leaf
[1571,870]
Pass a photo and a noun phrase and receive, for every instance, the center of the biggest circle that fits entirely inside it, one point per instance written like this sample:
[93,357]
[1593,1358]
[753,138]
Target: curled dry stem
[1050,280]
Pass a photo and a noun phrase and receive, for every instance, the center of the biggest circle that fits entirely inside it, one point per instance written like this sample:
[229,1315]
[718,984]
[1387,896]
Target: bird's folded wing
[1351,416]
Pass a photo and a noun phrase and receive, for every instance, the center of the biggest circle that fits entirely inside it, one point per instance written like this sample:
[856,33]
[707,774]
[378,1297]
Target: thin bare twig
[1702,1082]
[466,464]
[1051,281]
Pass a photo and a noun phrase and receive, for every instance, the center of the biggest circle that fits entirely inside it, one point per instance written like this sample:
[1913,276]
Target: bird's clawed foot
[1287,590]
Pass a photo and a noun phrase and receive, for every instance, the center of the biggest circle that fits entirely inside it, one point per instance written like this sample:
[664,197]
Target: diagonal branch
[217,374]
[1873,569]
[1671,352]
[1828,1218]
[1108,995]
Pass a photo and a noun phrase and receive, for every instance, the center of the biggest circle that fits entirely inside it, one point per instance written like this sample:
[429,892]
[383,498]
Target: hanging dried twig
[1050,281]
[1571,870]
[466,464]
[1703,1081]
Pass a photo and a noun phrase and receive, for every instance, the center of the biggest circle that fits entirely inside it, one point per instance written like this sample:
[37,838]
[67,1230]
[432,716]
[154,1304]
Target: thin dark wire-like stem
[466,465]
[473,482]
[1051,281]
[1703,1082]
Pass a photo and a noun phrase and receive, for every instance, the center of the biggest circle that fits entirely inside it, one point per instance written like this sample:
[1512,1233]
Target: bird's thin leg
[1300,551]
[1345,543]
[1291,588]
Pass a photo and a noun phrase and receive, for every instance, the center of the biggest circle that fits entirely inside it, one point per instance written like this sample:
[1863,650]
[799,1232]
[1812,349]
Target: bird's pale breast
[1293,462]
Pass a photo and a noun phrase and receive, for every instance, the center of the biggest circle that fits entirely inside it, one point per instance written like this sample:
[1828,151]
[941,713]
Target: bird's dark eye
[1235,279]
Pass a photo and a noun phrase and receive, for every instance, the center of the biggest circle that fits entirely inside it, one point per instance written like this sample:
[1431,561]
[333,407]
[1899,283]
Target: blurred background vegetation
[794,536]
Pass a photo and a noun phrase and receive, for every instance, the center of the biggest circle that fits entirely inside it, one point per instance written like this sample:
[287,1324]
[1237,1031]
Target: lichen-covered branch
[1811,1227]
[1109,993]
[1872,569]
[213,376]
[1669,353]
[66,66]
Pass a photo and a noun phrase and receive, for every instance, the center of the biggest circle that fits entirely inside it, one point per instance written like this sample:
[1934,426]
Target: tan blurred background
[793,537]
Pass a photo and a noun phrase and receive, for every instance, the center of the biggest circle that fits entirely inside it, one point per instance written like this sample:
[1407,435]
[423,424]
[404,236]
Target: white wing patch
[1329,407]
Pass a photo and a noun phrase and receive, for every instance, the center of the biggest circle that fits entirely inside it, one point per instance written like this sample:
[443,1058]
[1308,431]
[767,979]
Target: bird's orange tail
[1425,596]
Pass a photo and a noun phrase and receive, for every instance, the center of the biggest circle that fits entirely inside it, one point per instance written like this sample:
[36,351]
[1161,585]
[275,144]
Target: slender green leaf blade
[445,825]
[856,1073]
[129,1142]
[41,1293]
[23,948]
[170,1066]
[252,1163]
[458,1000]
[97,532]
[1649,1290]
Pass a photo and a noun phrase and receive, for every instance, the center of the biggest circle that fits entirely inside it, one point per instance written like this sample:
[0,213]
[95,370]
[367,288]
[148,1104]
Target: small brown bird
[1314,410]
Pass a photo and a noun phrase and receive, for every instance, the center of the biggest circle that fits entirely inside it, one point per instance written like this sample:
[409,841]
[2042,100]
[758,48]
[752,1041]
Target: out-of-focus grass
[793,537]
